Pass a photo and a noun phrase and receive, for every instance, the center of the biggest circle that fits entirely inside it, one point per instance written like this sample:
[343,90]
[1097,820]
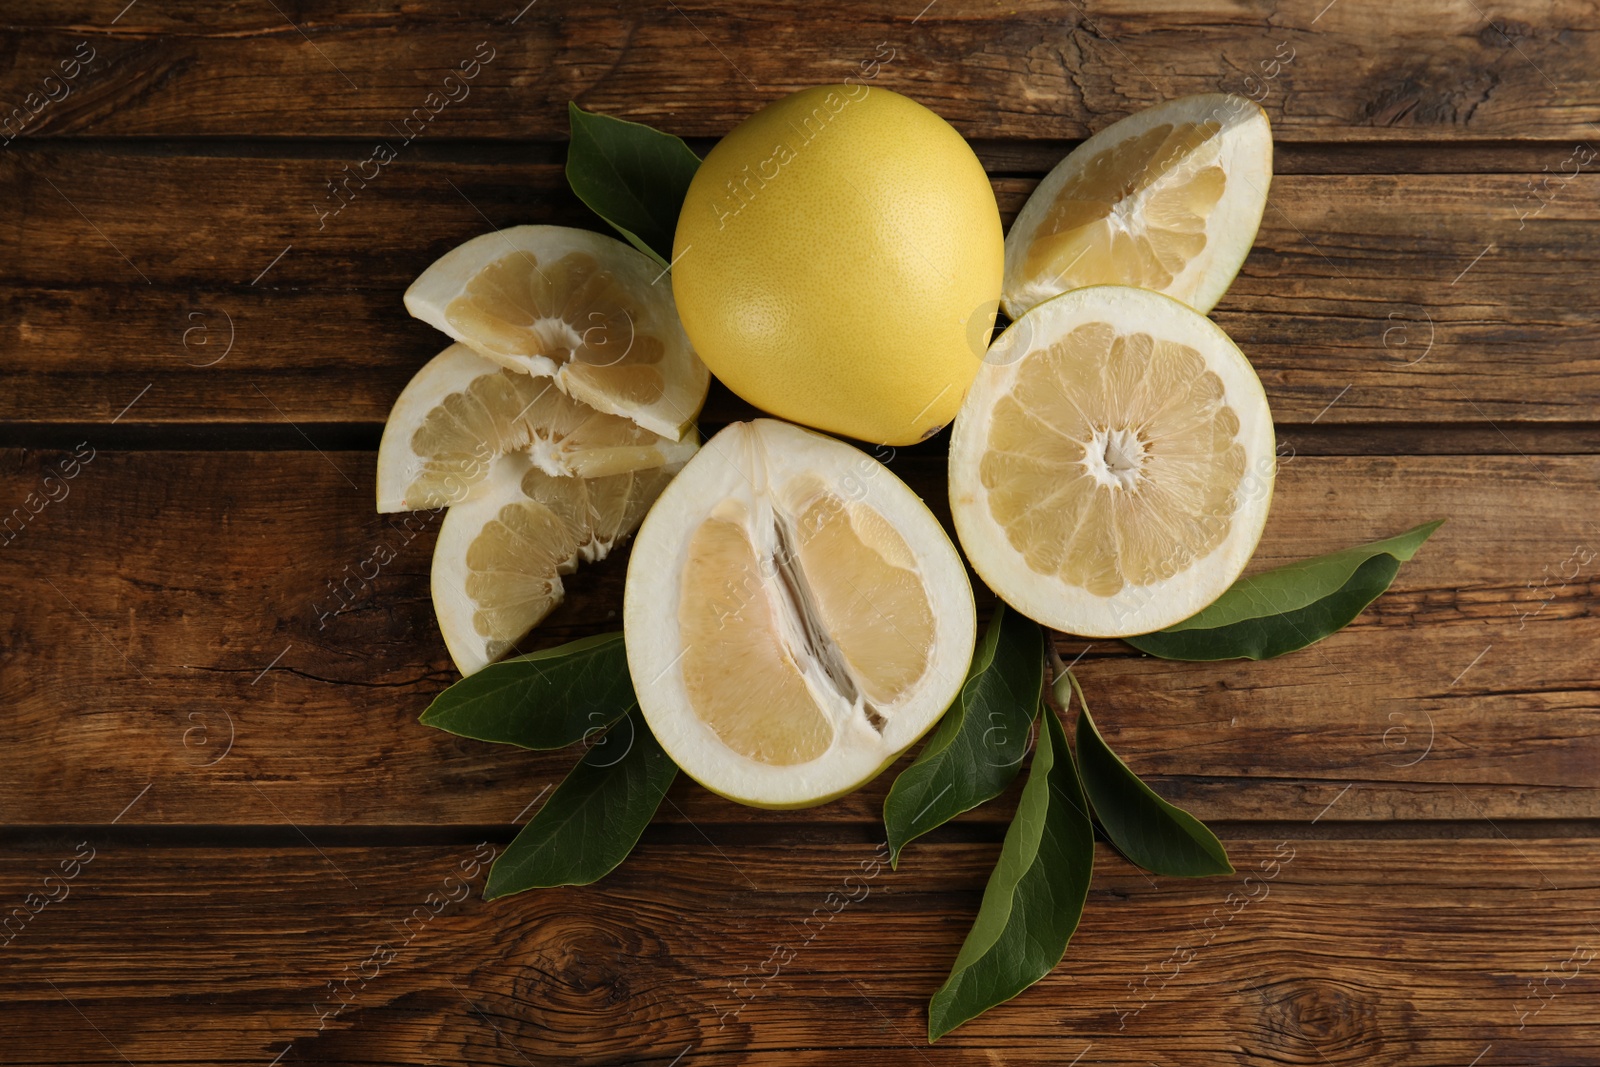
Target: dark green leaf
[548,699]
[981,741]
[1290,607]
[1034,897]
[632,176]
[1158,836]
[593,819]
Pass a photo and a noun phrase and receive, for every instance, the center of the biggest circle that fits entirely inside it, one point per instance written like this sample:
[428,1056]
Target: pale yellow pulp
[1113,461]
[515,562]
[506,411]
[840,601]
[1135,214]
[571,312]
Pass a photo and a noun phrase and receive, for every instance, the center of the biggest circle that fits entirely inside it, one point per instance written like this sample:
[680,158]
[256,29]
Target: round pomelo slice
[461,412]
[1168,199]
[795,616]
[498,563]
[1111,468]
[583,309]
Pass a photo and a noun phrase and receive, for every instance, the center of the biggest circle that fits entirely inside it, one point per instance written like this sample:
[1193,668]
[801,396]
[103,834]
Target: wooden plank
[215,622]
[1041,69]
[1381,953]
[1368,299]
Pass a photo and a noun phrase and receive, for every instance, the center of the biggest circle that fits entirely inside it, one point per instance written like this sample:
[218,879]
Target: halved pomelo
[585,310]
[461,412]
[1111,468]
[1168,199]
[795,616]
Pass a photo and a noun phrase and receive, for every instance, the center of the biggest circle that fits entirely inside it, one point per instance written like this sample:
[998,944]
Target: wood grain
[1387,953]
[1364,70]
[197,650]
[172,601]
[1371,298]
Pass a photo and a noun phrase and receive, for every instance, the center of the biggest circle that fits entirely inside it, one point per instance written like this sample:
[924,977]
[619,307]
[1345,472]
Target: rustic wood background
[231,842]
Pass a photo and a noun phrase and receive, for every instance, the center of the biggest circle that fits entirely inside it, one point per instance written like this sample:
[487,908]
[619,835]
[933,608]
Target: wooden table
[210,690]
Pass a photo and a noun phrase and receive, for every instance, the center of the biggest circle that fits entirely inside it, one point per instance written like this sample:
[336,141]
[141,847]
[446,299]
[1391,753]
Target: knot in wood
[1316,1021]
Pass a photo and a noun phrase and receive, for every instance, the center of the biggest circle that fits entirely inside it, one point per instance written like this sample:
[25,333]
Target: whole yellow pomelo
[838,263]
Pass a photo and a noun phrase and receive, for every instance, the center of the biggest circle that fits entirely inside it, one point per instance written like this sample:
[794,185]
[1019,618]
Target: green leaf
[1288,608]
[1158,836]
[632,176]
[982,740]
[548,699]
[593,819]
[1034,897]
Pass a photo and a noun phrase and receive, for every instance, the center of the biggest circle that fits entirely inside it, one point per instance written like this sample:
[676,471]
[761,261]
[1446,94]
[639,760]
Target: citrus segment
[461,412]
[581,309]
[564,316]
[1111,469]
[795,616]
[500,557]
[741,680]
[867,593]
[1166,199]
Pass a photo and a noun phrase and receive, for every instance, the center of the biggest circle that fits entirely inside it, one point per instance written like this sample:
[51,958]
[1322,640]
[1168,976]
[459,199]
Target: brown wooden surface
[1038,68]
[264,811]
[242,548]
[1358,290]
[157,942]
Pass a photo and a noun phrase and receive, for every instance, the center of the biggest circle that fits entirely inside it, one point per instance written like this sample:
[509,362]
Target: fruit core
[1114,457]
